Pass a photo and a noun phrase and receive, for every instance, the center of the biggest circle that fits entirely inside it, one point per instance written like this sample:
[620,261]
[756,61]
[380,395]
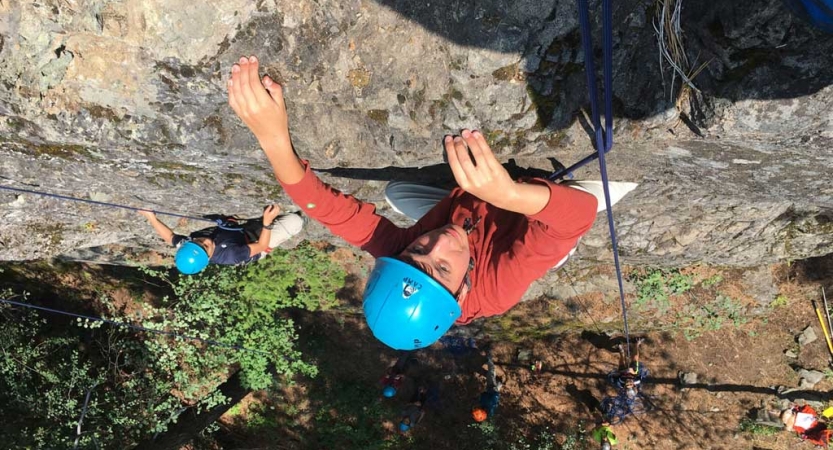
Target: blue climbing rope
[603,137]
[131,326]
[219,222]
[617,409]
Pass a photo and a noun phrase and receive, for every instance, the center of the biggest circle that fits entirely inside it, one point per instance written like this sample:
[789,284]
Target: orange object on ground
[479,414]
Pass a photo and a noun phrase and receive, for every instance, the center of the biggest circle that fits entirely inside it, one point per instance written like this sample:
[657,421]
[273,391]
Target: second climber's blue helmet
[191,258]
[406,308]
[404,427]
[389,391]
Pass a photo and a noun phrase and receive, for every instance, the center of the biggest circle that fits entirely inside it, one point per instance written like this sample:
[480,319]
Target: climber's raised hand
[477,170]
[259,103]
[479,173]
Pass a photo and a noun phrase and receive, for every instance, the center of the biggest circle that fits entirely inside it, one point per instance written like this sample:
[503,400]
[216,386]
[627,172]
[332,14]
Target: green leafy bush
[140,382]
[304,278]
[45,375]
[694,320]
[240,306]
[655,286]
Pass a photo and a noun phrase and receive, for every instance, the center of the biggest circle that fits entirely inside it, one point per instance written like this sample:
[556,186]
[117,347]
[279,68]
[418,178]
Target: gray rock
[768,417]
[790,354]
[688,377]
[759,284]
[817,405]
[807,336]
[809,378]
[127,100]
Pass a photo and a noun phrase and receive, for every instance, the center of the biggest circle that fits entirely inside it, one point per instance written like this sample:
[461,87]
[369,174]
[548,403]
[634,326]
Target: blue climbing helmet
[406,308]
[404,427]
[389,391]
[191,258]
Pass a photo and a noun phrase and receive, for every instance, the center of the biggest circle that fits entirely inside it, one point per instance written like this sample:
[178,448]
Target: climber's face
[206,244]
[444,255]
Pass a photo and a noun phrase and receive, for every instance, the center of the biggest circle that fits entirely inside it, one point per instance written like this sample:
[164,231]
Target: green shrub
[45,375]
[655,286]
[304,277]
[140,381]
[748,425]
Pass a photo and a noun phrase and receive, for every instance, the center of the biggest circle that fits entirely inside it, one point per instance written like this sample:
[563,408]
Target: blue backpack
[818,12]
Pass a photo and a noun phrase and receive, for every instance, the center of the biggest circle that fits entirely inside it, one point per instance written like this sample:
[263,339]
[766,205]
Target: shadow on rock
[436,175]
[753,50]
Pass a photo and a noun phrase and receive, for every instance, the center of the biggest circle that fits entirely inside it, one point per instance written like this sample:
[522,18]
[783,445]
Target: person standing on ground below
[630,374]
[472,255]
[395,374]
[228,246]
[490,398]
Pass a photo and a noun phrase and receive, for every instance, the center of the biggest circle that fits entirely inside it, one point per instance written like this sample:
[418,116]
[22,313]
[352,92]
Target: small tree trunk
[189,425]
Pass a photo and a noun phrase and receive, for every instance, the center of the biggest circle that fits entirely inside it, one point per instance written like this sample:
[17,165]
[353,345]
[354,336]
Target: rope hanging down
[604,138]
[219,222]
[134,327]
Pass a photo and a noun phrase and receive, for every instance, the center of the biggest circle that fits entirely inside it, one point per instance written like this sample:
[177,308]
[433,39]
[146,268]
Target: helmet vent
[436,327]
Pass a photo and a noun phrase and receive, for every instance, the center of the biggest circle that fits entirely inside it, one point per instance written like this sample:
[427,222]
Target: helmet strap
[466,279]
[469,226]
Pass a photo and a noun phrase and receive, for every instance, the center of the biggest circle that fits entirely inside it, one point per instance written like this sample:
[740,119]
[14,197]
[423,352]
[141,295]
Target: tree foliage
[140,382]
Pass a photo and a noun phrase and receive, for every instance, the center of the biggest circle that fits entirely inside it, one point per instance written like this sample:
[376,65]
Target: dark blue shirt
[489,401]
[230,246]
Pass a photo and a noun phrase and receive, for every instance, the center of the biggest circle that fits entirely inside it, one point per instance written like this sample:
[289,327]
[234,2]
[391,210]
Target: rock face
[125,101]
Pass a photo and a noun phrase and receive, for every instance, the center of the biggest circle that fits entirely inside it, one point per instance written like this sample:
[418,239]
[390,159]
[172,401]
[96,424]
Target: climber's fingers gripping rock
[258,102]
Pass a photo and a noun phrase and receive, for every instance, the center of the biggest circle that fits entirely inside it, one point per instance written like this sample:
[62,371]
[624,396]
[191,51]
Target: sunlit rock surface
[124,101]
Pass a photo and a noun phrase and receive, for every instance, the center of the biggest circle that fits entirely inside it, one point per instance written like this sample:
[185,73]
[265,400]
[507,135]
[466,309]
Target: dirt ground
[741,367]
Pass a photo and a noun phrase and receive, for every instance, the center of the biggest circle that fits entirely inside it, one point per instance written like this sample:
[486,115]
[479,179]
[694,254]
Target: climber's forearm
[262,243]
[285,163]
[162,230]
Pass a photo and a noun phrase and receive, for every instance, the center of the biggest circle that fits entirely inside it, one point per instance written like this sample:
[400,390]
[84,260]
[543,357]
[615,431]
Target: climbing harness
[131,326]
[615,379]
[220,223]
[603,137]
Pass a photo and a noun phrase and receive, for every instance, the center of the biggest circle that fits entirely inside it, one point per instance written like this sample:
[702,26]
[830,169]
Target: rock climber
[473,254]
[805,422]
[241,244]
[604,435]
[395,375]
[630,374]
[490,398]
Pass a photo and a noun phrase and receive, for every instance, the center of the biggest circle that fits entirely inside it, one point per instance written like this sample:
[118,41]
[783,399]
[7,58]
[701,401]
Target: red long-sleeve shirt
[510,250]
